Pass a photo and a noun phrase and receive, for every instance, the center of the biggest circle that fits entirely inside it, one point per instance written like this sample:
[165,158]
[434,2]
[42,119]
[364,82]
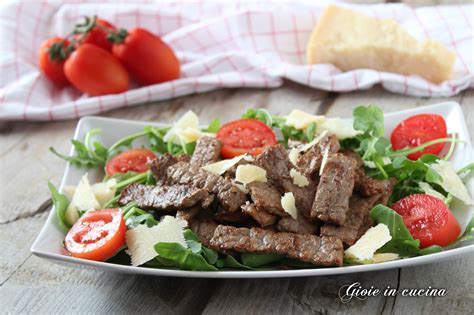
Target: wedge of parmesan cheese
[324,160]
[299,179]
[451,182]
[83,200]
[315,141]
[301,120]
[246,174]
[383,257]
[293,155]
[351,40]
[141,240]
[430,190]
[221,167]
[288,204]
[103,192]
[371,241]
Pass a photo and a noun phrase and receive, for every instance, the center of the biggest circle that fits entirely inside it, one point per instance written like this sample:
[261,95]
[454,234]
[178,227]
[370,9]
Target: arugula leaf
[60,202]
[230,262]
[214,126]
[177,256]
[369,119]
[196,247]
[259,260]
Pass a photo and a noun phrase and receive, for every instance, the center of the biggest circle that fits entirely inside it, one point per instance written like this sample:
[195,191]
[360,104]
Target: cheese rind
[351,40]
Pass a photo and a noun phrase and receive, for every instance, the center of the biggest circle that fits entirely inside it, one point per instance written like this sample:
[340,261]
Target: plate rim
[77,262]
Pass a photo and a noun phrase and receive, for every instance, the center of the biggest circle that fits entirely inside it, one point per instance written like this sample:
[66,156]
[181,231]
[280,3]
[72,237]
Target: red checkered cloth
[231,44]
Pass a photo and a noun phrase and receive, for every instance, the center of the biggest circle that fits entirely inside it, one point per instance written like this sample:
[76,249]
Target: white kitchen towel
[219,44]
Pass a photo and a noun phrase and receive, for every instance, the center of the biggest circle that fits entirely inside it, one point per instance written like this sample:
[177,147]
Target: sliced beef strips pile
[333,209]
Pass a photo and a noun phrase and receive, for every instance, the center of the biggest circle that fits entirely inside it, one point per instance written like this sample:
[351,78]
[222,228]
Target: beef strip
[357,218]
[235,218]
[262,217]
[204,230]
[321,251]
[207,151]
[275,162]
[366,185]
[334,190]
[310,161]
[188,214]
[159,166]
[229,196]
[300,226]
[265,196]
[162,197]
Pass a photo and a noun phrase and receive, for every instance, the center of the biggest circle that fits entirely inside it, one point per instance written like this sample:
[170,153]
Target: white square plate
[49,242]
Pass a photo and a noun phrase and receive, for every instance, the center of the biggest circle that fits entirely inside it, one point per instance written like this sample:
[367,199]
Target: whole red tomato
[148,59]
[98,35]
[51,58]
[95,71]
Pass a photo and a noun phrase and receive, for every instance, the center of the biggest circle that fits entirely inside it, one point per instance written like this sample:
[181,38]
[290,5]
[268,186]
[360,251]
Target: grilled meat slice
[336,184]
[357,218]
[159,166]
[162,197]
[321,251]
[300,226]
[310,161]
[265,196]
[188,214]
[204,230]
[275,162]
[207,151]
[262,217]
[229,196]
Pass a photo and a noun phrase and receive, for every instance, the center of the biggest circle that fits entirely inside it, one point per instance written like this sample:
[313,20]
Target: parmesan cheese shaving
[293,155]
[375,237]
[221,167]
[83,199]
[299,179]
[383,257]
[314,141]
[341,128]
[289,205]
[246,174]
[430,190]
[451,182]
[185,130]
[141,240]
[301,120]
[324,160]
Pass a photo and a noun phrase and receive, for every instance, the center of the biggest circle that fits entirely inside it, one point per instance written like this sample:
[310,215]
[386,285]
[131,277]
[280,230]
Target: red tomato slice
[97,235]
[428,219]
[417,130]
[245,136]
[135,160]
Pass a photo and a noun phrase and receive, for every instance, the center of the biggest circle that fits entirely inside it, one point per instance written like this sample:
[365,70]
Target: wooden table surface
[34,285]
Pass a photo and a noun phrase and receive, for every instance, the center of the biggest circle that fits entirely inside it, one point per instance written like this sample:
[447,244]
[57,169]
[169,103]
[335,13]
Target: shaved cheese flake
[315,141]
[451,182]
[341,128]
[301,120]
[221,167]
[293,155]
[246,174]
[83,199]
[430,190]
[104,191]
[185,129]
[141,240]
[365,248]
[383,257]
[289,205]
[299,179]
[69,191]
[324,160]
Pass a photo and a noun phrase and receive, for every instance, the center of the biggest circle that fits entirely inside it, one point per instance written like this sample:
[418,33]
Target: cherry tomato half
[428,219]
[53,69]
[148,59]
[245,136]
[97,35]
[95,71]
[97,235]
[417,130]
[135,160]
